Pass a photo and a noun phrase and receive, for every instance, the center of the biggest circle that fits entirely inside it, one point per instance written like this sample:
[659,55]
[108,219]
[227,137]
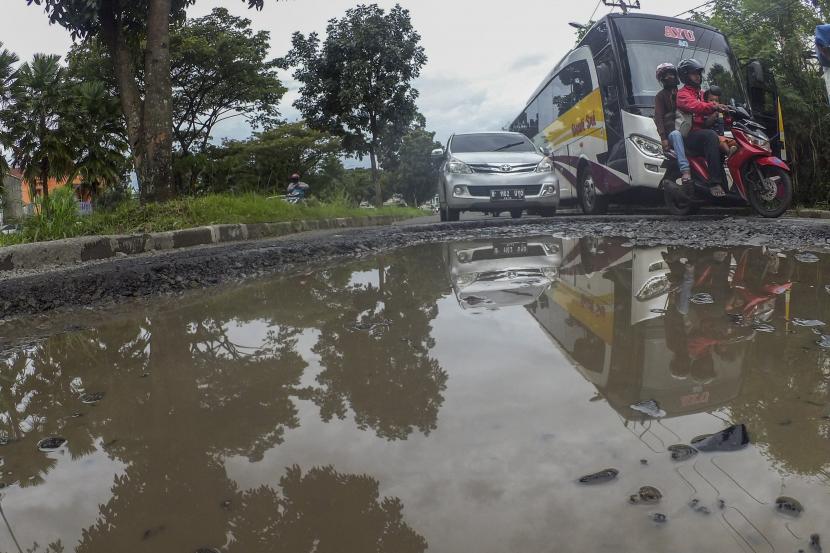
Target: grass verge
[133,218]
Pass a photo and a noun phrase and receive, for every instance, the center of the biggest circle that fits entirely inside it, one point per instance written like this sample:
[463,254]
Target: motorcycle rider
[296,187]
[665,111]
[701,141]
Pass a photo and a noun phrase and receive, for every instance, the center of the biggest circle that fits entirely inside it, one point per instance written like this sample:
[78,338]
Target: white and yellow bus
[594,111]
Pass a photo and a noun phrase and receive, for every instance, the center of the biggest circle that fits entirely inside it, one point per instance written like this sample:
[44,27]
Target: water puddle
[525,394]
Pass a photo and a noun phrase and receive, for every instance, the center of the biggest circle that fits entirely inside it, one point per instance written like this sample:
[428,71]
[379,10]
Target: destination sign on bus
[680,33]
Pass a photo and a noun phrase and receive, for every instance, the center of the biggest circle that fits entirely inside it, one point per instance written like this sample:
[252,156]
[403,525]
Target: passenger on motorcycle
[717,124]
[701,141]
[665,112]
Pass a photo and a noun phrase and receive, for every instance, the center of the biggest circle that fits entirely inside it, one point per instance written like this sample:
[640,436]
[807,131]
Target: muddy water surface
[446,398]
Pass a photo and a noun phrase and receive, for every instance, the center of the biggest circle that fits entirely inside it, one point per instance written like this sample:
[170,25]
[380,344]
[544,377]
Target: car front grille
[495,168]
[484,191]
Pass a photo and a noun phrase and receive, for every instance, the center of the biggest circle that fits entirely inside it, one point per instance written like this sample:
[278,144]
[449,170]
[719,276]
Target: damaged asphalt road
[98,283]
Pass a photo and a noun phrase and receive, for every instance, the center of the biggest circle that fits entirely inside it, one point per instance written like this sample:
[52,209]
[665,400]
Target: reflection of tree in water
[322,511]
[181,397]
[786,397]
[375,350]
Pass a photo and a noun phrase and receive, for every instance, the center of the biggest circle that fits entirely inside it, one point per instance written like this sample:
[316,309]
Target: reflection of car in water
[607,311]
[500,273]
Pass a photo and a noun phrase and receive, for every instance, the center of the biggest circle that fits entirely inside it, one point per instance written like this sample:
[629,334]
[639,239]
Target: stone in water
[599,477]
[789,506]
[732,439]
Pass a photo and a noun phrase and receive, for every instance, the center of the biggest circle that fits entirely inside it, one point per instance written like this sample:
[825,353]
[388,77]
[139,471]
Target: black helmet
[686,68]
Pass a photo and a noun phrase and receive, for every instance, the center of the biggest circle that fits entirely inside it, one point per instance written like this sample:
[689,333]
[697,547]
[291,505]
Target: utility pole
[624,5]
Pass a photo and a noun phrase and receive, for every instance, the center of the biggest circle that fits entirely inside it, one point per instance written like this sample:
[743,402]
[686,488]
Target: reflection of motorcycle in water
[490,274]
[606,313]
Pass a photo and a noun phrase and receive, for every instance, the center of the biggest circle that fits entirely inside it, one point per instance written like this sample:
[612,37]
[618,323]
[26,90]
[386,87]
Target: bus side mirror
[755,75]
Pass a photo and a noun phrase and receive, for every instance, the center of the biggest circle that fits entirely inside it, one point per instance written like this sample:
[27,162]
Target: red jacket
[690,100]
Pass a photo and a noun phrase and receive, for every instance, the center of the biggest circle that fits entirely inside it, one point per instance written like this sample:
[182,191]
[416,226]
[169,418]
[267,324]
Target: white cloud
[485,57]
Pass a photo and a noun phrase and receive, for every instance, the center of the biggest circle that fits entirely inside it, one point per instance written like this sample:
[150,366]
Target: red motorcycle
[754,175]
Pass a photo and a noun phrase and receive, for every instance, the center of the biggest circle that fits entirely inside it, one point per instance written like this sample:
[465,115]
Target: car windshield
[465,143]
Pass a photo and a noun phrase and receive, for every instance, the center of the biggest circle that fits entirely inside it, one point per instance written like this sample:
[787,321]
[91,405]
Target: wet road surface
[446,397]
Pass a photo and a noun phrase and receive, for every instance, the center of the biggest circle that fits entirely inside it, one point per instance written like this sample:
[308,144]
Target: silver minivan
[493,172]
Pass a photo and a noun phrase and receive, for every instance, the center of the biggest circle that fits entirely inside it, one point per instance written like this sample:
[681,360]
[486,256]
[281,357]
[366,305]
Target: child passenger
[716,123]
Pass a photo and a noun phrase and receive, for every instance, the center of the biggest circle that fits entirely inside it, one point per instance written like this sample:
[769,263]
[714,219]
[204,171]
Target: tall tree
[8,60]
[416,174]
[779,33]
[220,71]
[36,122]
[358,83]
[131,29]
[98,136]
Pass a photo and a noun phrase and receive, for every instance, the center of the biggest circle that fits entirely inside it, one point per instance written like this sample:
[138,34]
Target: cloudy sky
[485,57]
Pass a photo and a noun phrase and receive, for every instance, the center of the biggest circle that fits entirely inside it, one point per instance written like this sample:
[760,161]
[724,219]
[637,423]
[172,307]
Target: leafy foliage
[357,83]
[220,71]
[266,161]
[36,121]
[780,33]
[416,174]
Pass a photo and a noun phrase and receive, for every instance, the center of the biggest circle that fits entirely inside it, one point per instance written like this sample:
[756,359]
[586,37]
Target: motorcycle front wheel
[676,204]
[769,190]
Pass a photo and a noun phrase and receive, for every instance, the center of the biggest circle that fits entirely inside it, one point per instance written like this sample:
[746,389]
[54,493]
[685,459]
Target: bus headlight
[545,166]
[647,146]
[458,168]
[759,141]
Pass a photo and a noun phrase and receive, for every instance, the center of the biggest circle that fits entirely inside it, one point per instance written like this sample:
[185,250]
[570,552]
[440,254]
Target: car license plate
[510,249]
[509,194]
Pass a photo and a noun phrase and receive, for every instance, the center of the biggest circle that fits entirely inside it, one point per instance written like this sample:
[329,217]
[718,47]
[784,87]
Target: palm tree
[7,61]
[36,122]
[100,137]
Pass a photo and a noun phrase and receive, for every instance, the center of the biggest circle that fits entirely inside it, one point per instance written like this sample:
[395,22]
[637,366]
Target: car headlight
[545,166]
[654,287]
[465,279]
[458,167]
[759,141]
[647,146]
[551,272]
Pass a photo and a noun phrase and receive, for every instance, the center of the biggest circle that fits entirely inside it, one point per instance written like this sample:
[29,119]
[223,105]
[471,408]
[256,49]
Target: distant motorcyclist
[297,189]
[665,111]
[701,141]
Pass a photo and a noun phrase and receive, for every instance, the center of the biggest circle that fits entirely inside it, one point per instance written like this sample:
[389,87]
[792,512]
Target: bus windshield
[649,42]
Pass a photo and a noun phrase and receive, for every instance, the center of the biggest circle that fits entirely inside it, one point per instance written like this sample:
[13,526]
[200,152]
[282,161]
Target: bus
[593,113]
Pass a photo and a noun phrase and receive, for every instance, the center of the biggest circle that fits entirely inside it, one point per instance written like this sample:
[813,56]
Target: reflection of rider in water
[694,333]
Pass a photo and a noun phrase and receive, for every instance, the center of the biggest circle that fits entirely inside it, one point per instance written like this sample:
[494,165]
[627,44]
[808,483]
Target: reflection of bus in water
[594,110]
[606,312]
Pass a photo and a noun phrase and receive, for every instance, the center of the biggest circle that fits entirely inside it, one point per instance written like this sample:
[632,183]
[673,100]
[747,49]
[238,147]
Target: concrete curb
[71,251]
[811,213]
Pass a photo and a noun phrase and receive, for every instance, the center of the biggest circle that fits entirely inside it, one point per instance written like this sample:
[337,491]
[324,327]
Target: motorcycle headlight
[458,167]
[647,146]
[545,166]
[759,141]
[654,287]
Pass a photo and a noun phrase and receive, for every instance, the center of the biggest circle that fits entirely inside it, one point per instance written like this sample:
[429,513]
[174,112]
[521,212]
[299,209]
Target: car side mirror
[546,151]
[437,153]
